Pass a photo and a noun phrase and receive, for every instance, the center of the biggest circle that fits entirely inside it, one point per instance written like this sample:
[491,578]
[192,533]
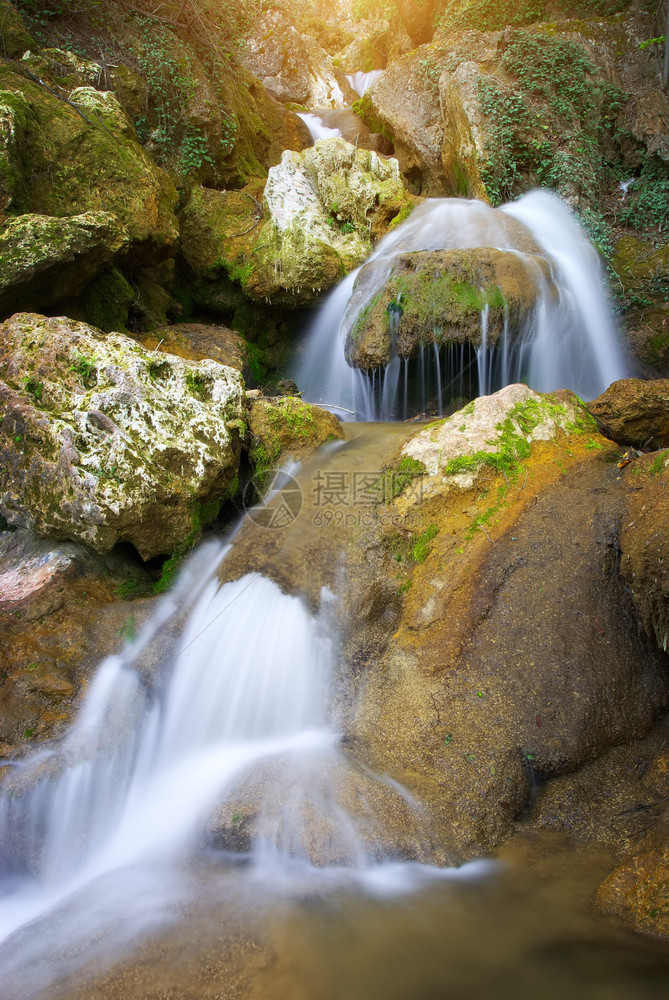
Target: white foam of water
[360,82]
[317,129]
[570,343]
[94,832]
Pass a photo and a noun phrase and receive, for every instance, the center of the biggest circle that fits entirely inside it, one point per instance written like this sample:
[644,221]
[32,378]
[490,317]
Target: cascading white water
[360,82]
[316,127]
[569,342]
[237,692]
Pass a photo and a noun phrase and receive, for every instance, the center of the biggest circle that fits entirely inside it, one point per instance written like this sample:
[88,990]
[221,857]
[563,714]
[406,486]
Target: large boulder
[294,67]
[66,159]
[635,412]
[438,297]
[45,259]
[103,441]
[321,209]
[516,652]
[285,428]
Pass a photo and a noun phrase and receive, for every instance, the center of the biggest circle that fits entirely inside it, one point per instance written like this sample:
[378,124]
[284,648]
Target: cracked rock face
[103,441]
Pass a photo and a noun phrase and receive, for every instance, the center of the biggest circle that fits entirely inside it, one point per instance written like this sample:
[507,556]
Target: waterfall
[316,127]
[569,341]
[213,730]
[360,82]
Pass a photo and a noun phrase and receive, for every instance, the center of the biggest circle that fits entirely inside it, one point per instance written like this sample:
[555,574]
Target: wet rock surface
[437,297]
[61,611]
[517,652]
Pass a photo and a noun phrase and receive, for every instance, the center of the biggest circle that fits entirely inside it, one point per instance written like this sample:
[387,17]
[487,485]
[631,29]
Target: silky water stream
[568,341]
[202,830]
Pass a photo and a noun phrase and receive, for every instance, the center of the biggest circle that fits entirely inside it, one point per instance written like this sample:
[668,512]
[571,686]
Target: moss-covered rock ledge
[102,441]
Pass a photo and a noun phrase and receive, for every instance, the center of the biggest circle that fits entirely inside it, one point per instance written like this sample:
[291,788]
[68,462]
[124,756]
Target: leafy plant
[422,548]
[85,367]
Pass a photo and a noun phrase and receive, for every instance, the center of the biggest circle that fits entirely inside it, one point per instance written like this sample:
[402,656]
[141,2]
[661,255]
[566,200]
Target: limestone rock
[293,67]
[60,613]
[635,412]
[516,650]
[405,109]
[103,441]
[320,206]
[505,422]
[438,296]
[279,57]
[464,148]
[44,260]
[379,46]
[219,229]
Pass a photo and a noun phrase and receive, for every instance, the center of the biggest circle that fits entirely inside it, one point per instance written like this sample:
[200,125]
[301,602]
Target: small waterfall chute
[317,128]
[361,82]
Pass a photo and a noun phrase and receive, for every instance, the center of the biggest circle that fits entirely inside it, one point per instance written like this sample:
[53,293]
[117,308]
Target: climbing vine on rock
[555,124]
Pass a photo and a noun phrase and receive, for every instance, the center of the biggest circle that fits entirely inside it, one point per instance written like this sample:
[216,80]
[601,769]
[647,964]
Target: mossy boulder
[45,260]
[319,209]
[15,37]
[515,650]
[283,428]
[64,69]
[103,441]
[438,297]
[643,269]
[495,430]
[219,230]
[66,160]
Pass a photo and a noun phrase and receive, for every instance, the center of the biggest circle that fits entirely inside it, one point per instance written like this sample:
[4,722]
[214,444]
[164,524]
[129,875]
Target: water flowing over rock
[327,123]
[321,207]
[104,441]
[512,294]
[438,297]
